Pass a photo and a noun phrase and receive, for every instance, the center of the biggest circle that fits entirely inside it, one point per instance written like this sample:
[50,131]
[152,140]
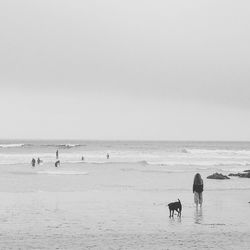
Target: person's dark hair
[197,179]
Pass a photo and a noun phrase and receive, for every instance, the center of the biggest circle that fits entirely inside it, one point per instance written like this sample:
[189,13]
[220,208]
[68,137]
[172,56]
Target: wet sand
[119,206]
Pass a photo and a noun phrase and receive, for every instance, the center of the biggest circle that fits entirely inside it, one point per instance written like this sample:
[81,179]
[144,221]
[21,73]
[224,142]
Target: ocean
[228,156]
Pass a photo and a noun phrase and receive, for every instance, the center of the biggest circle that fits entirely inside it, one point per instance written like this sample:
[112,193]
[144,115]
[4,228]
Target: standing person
[198,189]
[107,155]
[33,162]
[57,154]
[38,161]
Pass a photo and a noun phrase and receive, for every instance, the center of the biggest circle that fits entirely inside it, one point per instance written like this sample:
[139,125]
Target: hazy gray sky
[125,69]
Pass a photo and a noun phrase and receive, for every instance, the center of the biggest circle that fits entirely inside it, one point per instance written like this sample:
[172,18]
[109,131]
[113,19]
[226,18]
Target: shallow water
[119,206]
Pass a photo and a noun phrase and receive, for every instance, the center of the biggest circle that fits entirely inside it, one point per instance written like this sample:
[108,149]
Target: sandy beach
[119,206]
[109,109]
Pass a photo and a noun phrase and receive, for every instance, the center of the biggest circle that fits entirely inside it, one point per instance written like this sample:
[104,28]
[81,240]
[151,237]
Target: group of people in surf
[57,163]
[39,161]
[34,161]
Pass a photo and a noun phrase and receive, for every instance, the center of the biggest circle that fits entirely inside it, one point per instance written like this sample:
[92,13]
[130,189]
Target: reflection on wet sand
[198,216]
[174,221]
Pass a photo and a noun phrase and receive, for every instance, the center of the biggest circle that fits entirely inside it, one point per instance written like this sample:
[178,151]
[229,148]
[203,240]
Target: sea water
[229,156]
[121,202]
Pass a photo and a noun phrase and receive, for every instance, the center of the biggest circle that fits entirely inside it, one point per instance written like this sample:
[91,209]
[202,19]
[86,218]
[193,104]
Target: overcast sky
[147,70]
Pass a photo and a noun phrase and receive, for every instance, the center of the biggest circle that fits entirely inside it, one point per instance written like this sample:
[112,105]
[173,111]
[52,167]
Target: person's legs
[196,199]
[200,199]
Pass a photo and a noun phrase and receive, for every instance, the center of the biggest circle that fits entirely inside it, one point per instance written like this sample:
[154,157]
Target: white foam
[14,145]
[61,172]
[68,145]
[220,152]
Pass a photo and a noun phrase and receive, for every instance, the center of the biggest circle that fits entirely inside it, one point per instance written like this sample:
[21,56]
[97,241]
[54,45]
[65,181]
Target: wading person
[33,162]
[198,190]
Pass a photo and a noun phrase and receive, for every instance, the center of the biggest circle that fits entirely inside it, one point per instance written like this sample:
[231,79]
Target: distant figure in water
[38,161]
[57,164]
[57,154]
[33,162]
[198,190]
[107,155]
[82,158]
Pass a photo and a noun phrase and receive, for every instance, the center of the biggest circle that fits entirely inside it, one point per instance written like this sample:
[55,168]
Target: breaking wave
[60,172]
[26,145]
[66,145]
[226,152]
[14,145]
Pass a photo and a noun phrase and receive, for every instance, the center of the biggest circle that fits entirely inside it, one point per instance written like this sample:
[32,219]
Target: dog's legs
[177,210]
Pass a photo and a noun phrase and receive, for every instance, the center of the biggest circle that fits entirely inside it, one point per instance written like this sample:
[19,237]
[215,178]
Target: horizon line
[119,140]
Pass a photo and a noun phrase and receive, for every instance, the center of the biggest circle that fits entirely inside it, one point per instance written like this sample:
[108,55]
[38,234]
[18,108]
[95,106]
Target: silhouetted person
[57,154]
[38,161]
[198,190]
[57,164]
[82,158]
[107,155]
[33,162]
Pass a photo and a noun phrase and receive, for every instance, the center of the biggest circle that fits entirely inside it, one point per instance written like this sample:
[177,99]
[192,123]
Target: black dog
[175,206]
